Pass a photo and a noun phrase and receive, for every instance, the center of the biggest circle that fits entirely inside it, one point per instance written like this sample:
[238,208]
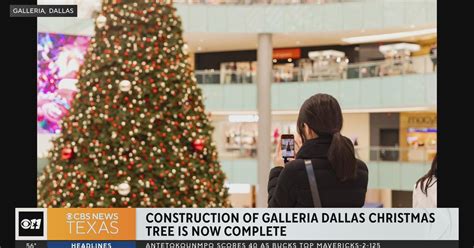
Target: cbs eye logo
[30,223]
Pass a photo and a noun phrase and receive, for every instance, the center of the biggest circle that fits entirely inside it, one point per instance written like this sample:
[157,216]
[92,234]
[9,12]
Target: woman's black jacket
[289,186]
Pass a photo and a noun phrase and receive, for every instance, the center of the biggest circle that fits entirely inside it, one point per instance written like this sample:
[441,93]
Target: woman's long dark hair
[323,115]
[426,181]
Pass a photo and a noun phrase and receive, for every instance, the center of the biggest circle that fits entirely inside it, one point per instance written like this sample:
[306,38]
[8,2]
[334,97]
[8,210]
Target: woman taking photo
[340,180]
[425,192]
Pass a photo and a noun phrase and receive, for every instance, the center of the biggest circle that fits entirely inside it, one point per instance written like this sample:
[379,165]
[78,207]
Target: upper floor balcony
[318,17]
[360,87]
[247,2]
[309,71]
[282,16]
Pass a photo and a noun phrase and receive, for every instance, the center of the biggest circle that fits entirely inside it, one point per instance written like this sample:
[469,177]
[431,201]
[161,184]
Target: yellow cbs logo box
[91,224]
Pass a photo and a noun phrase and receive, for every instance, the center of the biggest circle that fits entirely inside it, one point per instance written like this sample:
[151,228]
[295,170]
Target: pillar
[264,80]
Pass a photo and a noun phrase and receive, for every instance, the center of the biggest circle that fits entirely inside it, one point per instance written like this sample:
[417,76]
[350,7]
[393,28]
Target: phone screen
[288,146]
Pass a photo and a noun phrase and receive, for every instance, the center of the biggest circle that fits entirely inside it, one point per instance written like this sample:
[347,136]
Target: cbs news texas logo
[75,223]
[91,224]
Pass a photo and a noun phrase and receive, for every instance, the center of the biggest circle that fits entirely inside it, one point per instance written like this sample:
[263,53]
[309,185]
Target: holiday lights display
[59,59]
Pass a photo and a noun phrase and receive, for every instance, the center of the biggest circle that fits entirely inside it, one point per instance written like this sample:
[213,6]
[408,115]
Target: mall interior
[377,57]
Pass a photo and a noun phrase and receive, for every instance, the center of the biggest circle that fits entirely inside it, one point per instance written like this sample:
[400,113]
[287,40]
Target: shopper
[425,192]
[434,56]
[341,179]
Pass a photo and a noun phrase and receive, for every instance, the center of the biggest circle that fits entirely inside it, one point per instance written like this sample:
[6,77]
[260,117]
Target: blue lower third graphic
[91,244]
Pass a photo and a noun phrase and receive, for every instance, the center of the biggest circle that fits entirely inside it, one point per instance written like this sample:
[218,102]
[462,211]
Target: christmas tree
[137,134]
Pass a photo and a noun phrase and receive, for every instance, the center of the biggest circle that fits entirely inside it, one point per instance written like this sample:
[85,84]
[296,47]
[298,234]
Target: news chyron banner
[235,228]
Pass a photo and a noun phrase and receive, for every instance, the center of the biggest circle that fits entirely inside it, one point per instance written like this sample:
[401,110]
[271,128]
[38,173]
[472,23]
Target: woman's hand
[298,143]
[278,159]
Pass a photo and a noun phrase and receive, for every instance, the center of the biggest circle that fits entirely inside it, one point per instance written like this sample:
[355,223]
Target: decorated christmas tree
[137,134]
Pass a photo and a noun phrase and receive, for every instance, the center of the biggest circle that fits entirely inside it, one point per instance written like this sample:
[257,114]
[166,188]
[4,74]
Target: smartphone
[287,145]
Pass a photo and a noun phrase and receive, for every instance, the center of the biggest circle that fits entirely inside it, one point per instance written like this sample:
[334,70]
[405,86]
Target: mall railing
[389,167]
[419,154]
[383,68]
[244,2]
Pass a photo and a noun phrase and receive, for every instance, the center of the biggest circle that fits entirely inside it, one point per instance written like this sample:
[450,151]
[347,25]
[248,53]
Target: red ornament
[198,144]
[66,153]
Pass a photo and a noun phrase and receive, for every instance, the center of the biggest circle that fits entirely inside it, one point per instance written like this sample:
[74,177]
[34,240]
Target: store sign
[422,120]
[243,118]
[422,130]
[294,53]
